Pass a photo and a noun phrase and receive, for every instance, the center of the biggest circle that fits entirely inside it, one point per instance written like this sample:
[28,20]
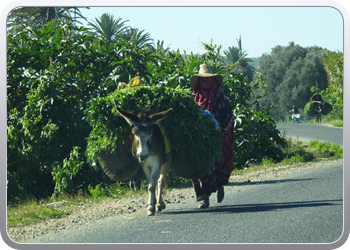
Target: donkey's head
[147,138]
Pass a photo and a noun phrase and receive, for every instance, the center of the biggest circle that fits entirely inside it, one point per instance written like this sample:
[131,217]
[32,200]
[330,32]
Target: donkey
[148,148]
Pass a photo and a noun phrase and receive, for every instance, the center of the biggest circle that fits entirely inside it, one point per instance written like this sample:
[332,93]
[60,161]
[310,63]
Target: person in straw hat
[206,88]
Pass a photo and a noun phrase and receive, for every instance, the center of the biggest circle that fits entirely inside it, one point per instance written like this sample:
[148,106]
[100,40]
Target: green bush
[50,81]
[59,77]
[97,192]
[327,149]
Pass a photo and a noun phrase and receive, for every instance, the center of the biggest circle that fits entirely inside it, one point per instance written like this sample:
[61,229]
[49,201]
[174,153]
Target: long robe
[211,98]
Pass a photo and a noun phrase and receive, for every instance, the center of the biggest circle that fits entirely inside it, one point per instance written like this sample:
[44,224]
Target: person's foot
[204,203]
[220,194]
[203,197]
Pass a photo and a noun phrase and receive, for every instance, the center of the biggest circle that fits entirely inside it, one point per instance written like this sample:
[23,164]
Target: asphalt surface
[311,132]
[304,207]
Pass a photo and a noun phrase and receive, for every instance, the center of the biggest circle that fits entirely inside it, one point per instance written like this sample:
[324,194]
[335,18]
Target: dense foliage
[52,75]
[187,129]
[289,73]
[56,73]
[39,16]
[333,64]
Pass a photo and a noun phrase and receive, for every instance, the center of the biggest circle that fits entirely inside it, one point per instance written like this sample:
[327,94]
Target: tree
[76,14]
[39,16]
[141,39]
[50,82]
[108,27]
[238,57]
[333,64]
[159,48]
[232,55]
[55,85]
[289,72]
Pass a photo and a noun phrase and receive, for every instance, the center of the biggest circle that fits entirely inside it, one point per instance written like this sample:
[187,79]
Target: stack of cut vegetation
[311,107]
[196,143]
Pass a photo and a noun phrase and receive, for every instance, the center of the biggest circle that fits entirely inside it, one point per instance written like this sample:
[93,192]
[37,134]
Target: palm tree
[238,57]
[159,47]
[139,37]
[108,27]
[77,14]
[231,55]
[39,16]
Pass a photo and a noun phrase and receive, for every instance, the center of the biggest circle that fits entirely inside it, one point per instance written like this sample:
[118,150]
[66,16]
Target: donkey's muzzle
[142,154]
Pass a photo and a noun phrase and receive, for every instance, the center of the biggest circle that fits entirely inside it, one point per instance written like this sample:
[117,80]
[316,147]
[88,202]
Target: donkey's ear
[129,117]
[156,118]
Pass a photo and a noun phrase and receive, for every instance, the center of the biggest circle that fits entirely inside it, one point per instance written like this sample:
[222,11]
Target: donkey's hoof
[160,206]
[150,211]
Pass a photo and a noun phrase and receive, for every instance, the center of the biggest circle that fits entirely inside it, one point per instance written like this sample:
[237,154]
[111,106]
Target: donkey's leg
[162,185]
[152,187]
[147,170]
[152,176]
[160,203]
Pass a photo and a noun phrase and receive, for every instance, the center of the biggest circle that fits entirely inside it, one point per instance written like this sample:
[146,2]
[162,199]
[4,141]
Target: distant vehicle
[295,115]
[295,118]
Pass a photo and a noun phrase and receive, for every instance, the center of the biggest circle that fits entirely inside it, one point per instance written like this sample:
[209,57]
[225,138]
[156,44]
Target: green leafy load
[196,143]
[310,108]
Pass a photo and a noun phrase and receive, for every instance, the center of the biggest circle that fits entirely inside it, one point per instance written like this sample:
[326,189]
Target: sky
[260,28]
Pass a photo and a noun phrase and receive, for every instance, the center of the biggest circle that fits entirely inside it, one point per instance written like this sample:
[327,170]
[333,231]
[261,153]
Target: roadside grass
[336,123]
[325,121]
[298,152]
[31,212]
[34,211]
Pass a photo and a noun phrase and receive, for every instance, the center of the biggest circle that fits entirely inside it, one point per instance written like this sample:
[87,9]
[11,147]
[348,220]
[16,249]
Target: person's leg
[205,186]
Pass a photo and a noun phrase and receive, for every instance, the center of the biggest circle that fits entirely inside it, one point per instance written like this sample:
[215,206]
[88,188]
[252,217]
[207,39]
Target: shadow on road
[251,208]
[251,183]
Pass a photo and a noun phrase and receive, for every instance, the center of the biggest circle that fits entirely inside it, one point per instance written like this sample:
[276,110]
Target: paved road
[304,207]
[310,132]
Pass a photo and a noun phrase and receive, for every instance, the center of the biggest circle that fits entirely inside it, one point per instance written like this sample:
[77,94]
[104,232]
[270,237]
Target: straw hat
[205,71]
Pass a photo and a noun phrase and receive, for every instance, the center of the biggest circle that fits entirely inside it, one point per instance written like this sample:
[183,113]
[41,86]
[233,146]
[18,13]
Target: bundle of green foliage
[193,135]
[311,107]
[326,108]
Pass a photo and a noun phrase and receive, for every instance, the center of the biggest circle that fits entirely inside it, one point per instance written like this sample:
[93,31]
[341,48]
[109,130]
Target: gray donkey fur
[148,148]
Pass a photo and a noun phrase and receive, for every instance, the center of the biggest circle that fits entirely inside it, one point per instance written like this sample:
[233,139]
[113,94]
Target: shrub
[50,82]
[55,85]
